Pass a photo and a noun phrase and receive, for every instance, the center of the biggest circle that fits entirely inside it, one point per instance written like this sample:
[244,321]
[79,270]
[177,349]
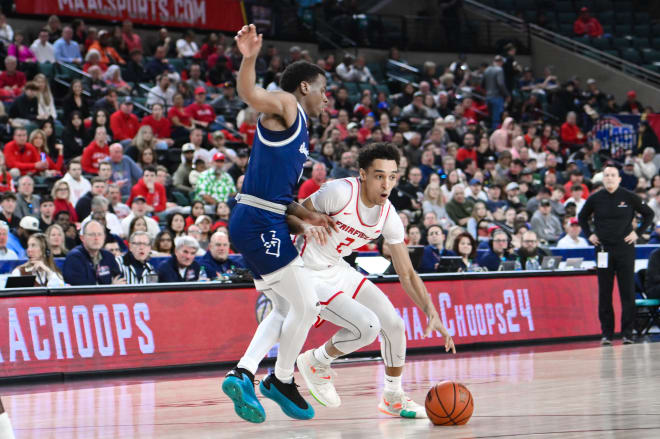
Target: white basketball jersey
[353,231]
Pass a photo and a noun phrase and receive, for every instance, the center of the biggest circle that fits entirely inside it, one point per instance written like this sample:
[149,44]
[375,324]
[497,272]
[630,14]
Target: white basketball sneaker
[399,404]
[319,379]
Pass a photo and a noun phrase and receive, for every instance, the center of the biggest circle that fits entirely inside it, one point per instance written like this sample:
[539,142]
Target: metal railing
[396,66]
[567,43]
[72,68]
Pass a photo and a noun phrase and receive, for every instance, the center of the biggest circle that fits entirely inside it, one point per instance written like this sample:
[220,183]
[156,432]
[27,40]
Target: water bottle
[532,264]
[203,277]
[518,266]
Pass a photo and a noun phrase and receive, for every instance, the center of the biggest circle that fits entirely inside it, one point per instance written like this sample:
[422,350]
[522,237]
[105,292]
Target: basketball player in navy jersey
[362,212]
[6,431]
[258,227]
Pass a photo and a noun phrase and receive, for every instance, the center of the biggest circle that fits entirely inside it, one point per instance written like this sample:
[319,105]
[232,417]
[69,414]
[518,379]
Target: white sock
[248,364]
[322,356]
[393,384]
[285,376]
[6,431]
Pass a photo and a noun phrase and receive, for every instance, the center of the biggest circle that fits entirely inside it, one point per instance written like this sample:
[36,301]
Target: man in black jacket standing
[613,210]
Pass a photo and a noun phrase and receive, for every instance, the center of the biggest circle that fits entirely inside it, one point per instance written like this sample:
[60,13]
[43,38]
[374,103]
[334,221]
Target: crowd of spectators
[492,157]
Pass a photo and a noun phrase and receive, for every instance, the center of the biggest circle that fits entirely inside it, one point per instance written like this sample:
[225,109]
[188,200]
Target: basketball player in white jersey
[362,212]
[6,431]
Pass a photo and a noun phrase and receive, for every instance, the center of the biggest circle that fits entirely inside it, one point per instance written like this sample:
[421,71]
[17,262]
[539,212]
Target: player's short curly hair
[298,72]
[378,150]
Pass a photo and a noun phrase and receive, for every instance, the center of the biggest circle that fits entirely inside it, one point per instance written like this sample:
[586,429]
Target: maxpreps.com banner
[205,14]
[134,330]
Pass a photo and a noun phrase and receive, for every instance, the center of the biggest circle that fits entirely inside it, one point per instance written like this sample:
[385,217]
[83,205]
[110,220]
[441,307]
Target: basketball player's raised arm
[416,290]
[278,103]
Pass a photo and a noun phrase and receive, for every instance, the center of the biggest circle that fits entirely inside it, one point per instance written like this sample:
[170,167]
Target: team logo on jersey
[273,245]
[303,150]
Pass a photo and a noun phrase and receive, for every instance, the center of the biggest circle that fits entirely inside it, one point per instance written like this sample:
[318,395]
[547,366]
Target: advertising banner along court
[63,334]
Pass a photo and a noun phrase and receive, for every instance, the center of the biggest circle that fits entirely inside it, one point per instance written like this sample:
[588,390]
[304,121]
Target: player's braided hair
[378,150]
[298,72]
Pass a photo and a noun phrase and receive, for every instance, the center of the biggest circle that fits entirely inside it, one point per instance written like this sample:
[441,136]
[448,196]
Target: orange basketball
[449,403]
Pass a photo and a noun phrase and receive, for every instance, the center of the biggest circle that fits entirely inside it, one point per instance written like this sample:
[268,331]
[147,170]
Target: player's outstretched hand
[317,233]
[435,324]
[248,41]
[322,220]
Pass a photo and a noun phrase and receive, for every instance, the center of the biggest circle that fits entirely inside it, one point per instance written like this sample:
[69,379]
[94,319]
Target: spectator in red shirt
[472,110]
[249,126]
[209,47]
[571,134]
[365,132]
[54,157]
[22,155]
[576,179]
[152,191]
[467,151]
[202,114]
[96,152]
[160,125]
[131,39]
[179,117]
[6,182]
[60,194]
[123,123]
[632,105]
[342,123]
[12,81]
[313,184]
[587,25]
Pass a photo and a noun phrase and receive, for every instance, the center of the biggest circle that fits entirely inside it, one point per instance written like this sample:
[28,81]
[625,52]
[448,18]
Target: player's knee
[370,327]
[394,325]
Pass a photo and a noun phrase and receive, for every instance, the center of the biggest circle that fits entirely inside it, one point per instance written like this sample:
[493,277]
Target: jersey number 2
[346,242]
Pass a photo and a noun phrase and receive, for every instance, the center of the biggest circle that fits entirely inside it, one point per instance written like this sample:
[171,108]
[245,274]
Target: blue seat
[564,6]
[639,42]
[648,315]
[606,17]
[632,55]
[650,56]
[623,28]
[642,30]
[526,5]
[601,43]
[566,18]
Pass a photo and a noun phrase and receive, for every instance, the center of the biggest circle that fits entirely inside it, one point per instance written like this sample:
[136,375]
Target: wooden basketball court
[568,391]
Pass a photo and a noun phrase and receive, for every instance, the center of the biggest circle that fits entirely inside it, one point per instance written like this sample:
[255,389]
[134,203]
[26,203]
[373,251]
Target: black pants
[621,261]
[653,292]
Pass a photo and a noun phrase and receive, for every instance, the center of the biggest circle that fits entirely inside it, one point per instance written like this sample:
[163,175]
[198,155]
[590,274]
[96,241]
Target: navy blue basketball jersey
[276,161]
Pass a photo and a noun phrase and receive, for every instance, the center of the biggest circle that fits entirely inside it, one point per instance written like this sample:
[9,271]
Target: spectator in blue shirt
[158,64]
[498,252]
[89,264]
[125,173]
[216,261]
[181,267]
[435,250]
[67,50]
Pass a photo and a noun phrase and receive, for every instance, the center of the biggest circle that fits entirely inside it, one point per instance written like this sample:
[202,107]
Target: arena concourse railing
[610,60]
